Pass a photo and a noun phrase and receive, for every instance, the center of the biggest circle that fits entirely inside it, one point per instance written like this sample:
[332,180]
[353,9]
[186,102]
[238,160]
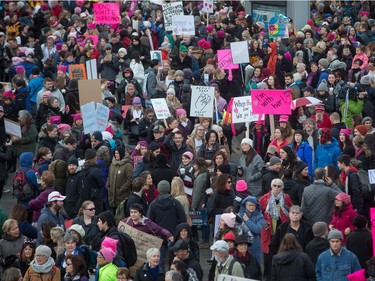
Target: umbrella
[306,101]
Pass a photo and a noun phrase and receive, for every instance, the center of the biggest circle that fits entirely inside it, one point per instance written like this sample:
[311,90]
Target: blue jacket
[304,152]
[35,85]
[335,268]
[255,225]
[47,215]
[326,154]
[26,161]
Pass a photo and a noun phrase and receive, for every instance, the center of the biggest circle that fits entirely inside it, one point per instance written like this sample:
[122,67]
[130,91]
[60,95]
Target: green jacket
[354,108]
[108,272]
[28,141]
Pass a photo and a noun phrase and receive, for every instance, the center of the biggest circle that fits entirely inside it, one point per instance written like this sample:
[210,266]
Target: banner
[271,101]
[240,52]
[208,6]
[202,101]
[242,110]
[142,241]
[88,113]
[102,115]
[183,25]
[161,108]
[170,10]
[225,277]
[107,13]
[12,128]
[198,217]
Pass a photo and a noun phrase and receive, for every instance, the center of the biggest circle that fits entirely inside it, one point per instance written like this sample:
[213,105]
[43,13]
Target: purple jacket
[148,226]
[38,203]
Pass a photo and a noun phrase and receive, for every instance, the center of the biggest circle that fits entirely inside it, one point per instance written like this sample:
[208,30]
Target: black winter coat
[77,191]
[315,247]
[144,274]
[360,243]
[251,267]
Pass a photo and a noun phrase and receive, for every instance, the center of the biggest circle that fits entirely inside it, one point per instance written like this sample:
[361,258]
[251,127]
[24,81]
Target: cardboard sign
[107,13]
[242,110]
[240,52]
[88,113]
[91,69]
[161,108]
[170,10]
[102,115]
[202,101]
[77,71]
[208,6]
[12,128]
[372,217]
[278,27]
[271,101]
[89,90]
[183,25]
[142,241]
[371,176]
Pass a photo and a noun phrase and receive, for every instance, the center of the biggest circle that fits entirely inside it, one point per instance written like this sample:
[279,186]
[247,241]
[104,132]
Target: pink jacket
[363,57]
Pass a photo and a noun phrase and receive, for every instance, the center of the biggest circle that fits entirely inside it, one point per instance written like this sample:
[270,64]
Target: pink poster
[271,101]
[107,13]
[224,58]
[132,7]
[372,217]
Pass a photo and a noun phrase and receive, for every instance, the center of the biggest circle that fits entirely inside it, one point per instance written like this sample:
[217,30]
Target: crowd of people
[292,205]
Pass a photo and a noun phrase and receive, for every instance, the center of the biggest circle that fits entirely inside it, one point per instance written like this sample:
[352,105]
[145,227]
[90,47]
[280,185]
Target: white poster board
[225,277]
[371,176]
[202,101]
[156,55]
[242,110]
[102,114]
[208,6]
[88,113]
[157,2]
[7,86]
[91,70]
[170,10]
[161,108]
[240,52]
[12,128]
[183,25]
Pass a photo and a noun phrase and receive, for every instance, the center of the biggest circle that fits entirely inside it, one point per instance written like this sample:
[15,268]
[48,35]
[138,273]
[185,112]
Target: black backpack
[21,189]
[128,249]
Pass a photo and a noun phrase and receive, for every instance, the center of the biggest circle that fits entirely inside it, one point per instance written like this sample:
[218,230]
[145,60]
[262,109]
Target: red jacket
[266,233]
[342,220]
[326,123]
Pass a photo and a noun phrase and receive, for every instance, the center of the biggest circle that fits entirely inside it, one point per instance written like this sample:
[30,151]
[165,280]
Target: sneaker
[6,190]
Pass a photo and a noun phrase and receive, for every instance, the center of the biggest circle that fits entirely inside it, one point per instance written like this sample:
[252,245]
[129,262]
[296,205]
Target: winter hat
[298,168]
[164,46]
[275,160]
[108,254]
[153,146]
[93,26]
[280,52]
[20,69]
[319,106]
[360,221]
[319,228]
[73,161]
[78,228]
[229,237]
[224,168]
[179,73]
[98,136]
[331,37]
[342,196]
[336,64]
[55,120]
[183,49]
[324,62]
[247,141]
[180,244]
[242,239]
[61,128]
[346,132]
[47,94]
[109,242]
[229,219]
[204,44]
[367,118]
[188,154]
[210,28]
[361,129]
[76,117]
[90,154]
[241,186]
[77,10]
[62,68]
[180,111]
[283,118]
[143,143]
[121,151]
[8,94]
[220,245]
[108,46]
[323,86]
[335,234]
[43,250]
[171,91]
[188,74]
[164,187]
[220,34]
[136,101]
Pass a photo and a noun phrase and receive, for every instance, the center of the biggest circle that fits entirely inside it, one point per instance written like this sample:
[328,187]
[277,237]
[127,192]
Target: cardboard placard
[183,25]
[170,10]
[107,13]
[102,115]
[161,108]
[242,110]
[90,123]
[89,90]
[77,71]
[225,277]
[271,101]
[12,128]
[240,52]
[202,101]
[142,241]
[208,6]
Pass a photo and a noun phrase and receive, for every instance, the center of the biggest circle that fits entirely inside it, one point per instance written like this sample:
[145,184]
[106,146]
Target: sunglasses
[91,209]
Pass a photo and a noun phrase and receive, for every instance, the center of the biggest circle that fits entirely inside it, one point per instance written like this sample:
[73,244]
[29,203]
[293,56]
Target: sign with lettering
[278,27]
[202,101]
[271,101]
[198,217]
[170,10]
[161,108]
[77,71]
[107,13]
[242,110]
[225,61]
[143,241]
[183,25]
[88,113]
[240,52]
[12,128]
[208,6]
[102,115]
[372,217]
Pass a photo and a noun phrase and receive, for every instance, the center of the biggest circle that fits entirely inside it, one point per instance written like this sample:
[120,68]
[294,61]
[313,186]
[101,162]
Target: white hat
[247,141]
[78,228]
[55,196]
[220,245]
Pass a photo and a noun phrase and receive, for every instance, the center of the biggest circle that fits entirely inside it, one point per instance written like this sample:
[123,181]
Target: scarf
[272,206]
[358,152]
[43,268]
[243,258]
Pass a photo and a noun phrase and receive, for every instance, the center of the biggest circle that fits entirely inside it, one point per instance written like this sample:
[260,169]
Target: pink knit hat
[188,154]
[76,117]
[108,254]
[62,68]
[63,128]
[283,118]
[109,242]
[20,69]
[47,94]
[346,132]
[180,111]
[344,198]
[55,120]
[229,219]
[241,186]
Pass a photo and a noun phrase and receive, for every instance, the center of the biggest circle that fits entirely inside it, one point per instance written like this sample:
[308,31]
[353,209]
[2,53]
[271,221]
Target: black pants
[2,183]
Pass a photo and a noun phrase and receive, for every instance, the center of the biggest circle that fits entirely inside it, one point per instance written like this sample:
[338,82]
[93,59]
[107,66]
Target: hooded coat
[343,218]
[26,162]
[272,58]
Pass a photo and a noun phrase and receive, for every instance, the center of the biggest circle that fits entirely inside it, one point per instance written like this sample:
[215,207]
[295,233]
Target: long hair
[292,157]
[250,155]
[289,243]
[220,183]
[177,187]
[369,146]
[78,263]
[18,212]
[84,206]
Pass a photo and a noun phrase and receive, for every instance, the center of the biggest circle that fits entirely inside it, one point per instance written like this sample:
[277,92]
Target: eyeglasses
[278,186]
[91,209]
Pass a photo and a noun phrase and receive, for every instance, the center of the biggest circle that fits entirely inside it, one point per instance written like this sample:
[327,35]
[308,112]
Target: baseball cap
[180,245]
[55,196]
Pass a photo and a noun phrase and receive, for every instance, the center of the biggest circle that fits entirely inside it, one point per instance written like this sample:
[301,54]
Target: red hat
[319,106]
[310,22]
[344,198]
[361,129]
[229,236]
[331,36]
[241,13]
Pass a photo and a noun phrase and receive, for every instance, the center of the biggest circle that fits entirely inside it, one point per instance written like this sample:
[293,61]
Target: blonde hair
[8,225]
[177,187]
[57,234]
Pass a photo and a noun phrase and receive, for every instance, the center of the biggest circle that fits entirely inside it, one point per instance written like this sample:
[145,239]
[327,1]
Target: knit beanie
[298,168]
[247,141]
[153,146]
[323,86]
[98,136]
[241,186]
[78,228]
[343,197]
[229,219]
[324,62]
[164,187]
[361,129]
[346,132]
[335,234]
[108,254]
[319,228]
[73,161]
[43,250]
[90,154]
[109,242]
[224,168]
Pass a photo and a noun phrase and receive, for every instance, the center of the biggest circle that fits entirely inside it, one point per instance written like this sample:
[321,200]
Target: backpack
[90,256]
[21,189]
[121,211]
[129,251]
[366,187]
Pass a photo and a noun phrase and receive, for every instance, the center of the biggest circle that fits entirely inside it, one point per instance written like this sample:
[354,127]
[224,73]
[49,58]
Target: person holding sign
[108,66]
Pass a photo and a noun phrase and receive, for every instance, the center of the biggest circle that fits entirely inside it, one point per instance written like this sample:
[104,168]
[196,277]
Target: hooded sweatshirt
[272,58]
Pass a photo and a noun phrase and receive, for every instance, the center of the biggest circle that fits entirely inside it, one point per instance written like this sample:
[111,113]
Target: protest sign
[142,241]
[107,13]
[7,86]
[225,61]
[161,108]
[88,113]
[278,27]
[12,128]
[208,6]
[225,277]
[198,217]
[371,176]
[183,25]
[157,2]
[242,110]
[170,10]
[202,101]
[91,70]
[77,71]
[240,52]
[132,7]
[89,90]
[271,101]
[156,55]
[372,217]
[102,115]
